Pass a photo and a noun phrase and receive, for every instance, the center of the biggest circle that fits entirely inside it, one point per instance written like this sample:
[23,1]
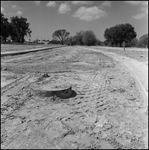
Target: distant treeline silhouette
[117,36]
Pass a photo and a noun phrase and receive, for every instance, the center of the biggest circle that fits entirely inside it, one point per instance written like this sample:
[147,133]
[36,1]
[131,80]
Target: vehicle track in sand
[104,113]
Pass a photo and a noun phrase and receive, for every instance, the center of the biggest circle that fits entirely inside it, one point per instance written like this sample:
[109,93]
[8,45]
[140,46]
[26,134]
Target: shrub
[89,38]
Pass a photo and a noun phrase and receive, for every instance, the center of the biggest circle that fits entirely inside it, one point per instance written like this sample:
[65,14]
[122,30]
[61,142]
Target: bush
[134,42]
[143,41]
[89,38]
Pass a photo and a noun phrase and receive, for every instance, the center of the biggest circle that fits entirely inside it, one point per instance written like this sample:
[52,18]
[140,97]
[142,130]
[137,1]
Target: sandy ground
[140,54]
[137,66]
[103,113]
[121,48]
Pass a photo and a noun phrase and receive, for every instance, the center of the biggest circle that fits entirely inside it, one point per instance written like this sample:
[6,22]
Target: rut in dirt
[104,112]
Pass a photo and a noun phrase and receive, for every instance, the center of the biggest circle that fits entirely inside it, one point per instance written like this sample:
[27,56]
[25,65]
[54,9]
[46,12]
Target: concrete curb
[142,91]
[27,51]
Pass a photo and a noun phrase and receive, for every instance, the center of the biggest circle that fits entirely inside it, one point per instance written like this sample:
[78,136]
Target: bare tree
[60,35]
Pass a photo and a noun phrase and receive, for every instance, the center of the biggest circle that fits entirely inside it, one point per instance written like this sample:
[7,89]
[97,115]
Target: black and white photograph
[74,74]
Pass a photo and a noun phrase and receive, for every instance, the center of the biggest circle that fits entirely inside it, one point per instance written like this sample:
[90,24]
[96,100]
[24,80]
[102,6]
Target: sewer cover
[51,86]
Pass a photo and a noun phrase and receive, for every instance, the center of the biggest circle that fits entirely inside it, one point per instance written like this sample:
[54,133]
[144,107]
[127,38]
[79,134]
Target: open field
[140,54]
[12,47]
[106,111]
[121,48]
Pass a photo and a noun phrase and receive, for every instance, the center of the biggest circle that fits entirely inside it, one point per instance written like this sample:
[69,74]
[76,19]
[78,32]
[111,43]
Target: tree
[60,35]
[54,42]
[143,41]
[99,42]
[5,28]
[109,36]
[133,42]
[107,43]
[89,38]
[69,40]
[20,29]
[77,39]
[120,33]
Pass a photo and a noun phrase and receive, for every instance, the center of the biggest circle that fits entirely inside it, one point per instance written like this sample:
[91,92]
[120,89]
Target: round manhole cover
[62,90]
[51,86]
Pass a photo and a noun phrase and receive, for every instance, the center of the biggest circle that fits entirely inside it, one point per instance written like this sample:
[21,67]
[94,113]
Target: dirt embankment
[105,111]
[12,47]
[137,54]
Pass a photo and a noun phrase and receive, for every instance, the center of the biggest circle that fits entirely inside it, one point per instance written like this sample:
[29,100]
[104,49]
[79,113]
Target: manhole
[62,90]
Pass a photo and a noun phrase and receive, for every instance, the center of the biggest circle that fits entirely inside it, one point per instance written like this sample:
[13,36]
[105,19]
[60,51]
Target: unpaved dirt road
[137,66]
[105,111]
[140,54]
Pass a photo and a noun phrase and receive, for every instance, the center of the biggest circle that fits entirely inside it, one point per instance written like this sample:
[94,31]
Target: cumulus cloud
[89,14]
[51,4]
[106,3]
[137,2]
[37,2]
[143,10]
[64,8]
[2,9]
[139,16]
[19,13]
[81,2]
[16,7]
[143,13]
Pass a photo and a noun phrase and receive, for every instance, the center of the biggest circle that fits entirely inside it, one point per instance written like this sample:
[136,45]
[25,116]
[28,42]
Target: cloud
[16,7]
[89,14]
[81,2]
[2,9]
[37,2]
[143,13]
[19,13]
[143,10]
[139,16]
[51,4]
[137,2]
[64,8]
[106,3]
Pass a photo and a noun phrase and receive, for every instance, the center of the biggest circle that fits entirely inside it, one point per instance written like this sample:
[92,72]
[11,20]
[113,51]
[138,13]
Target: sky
[45,17]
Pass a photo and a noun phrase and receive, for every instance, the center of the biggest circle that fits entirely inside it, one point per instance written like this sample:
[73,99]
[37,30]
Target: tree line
[116,36]
[119,35]
[16,29]
[81,38]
